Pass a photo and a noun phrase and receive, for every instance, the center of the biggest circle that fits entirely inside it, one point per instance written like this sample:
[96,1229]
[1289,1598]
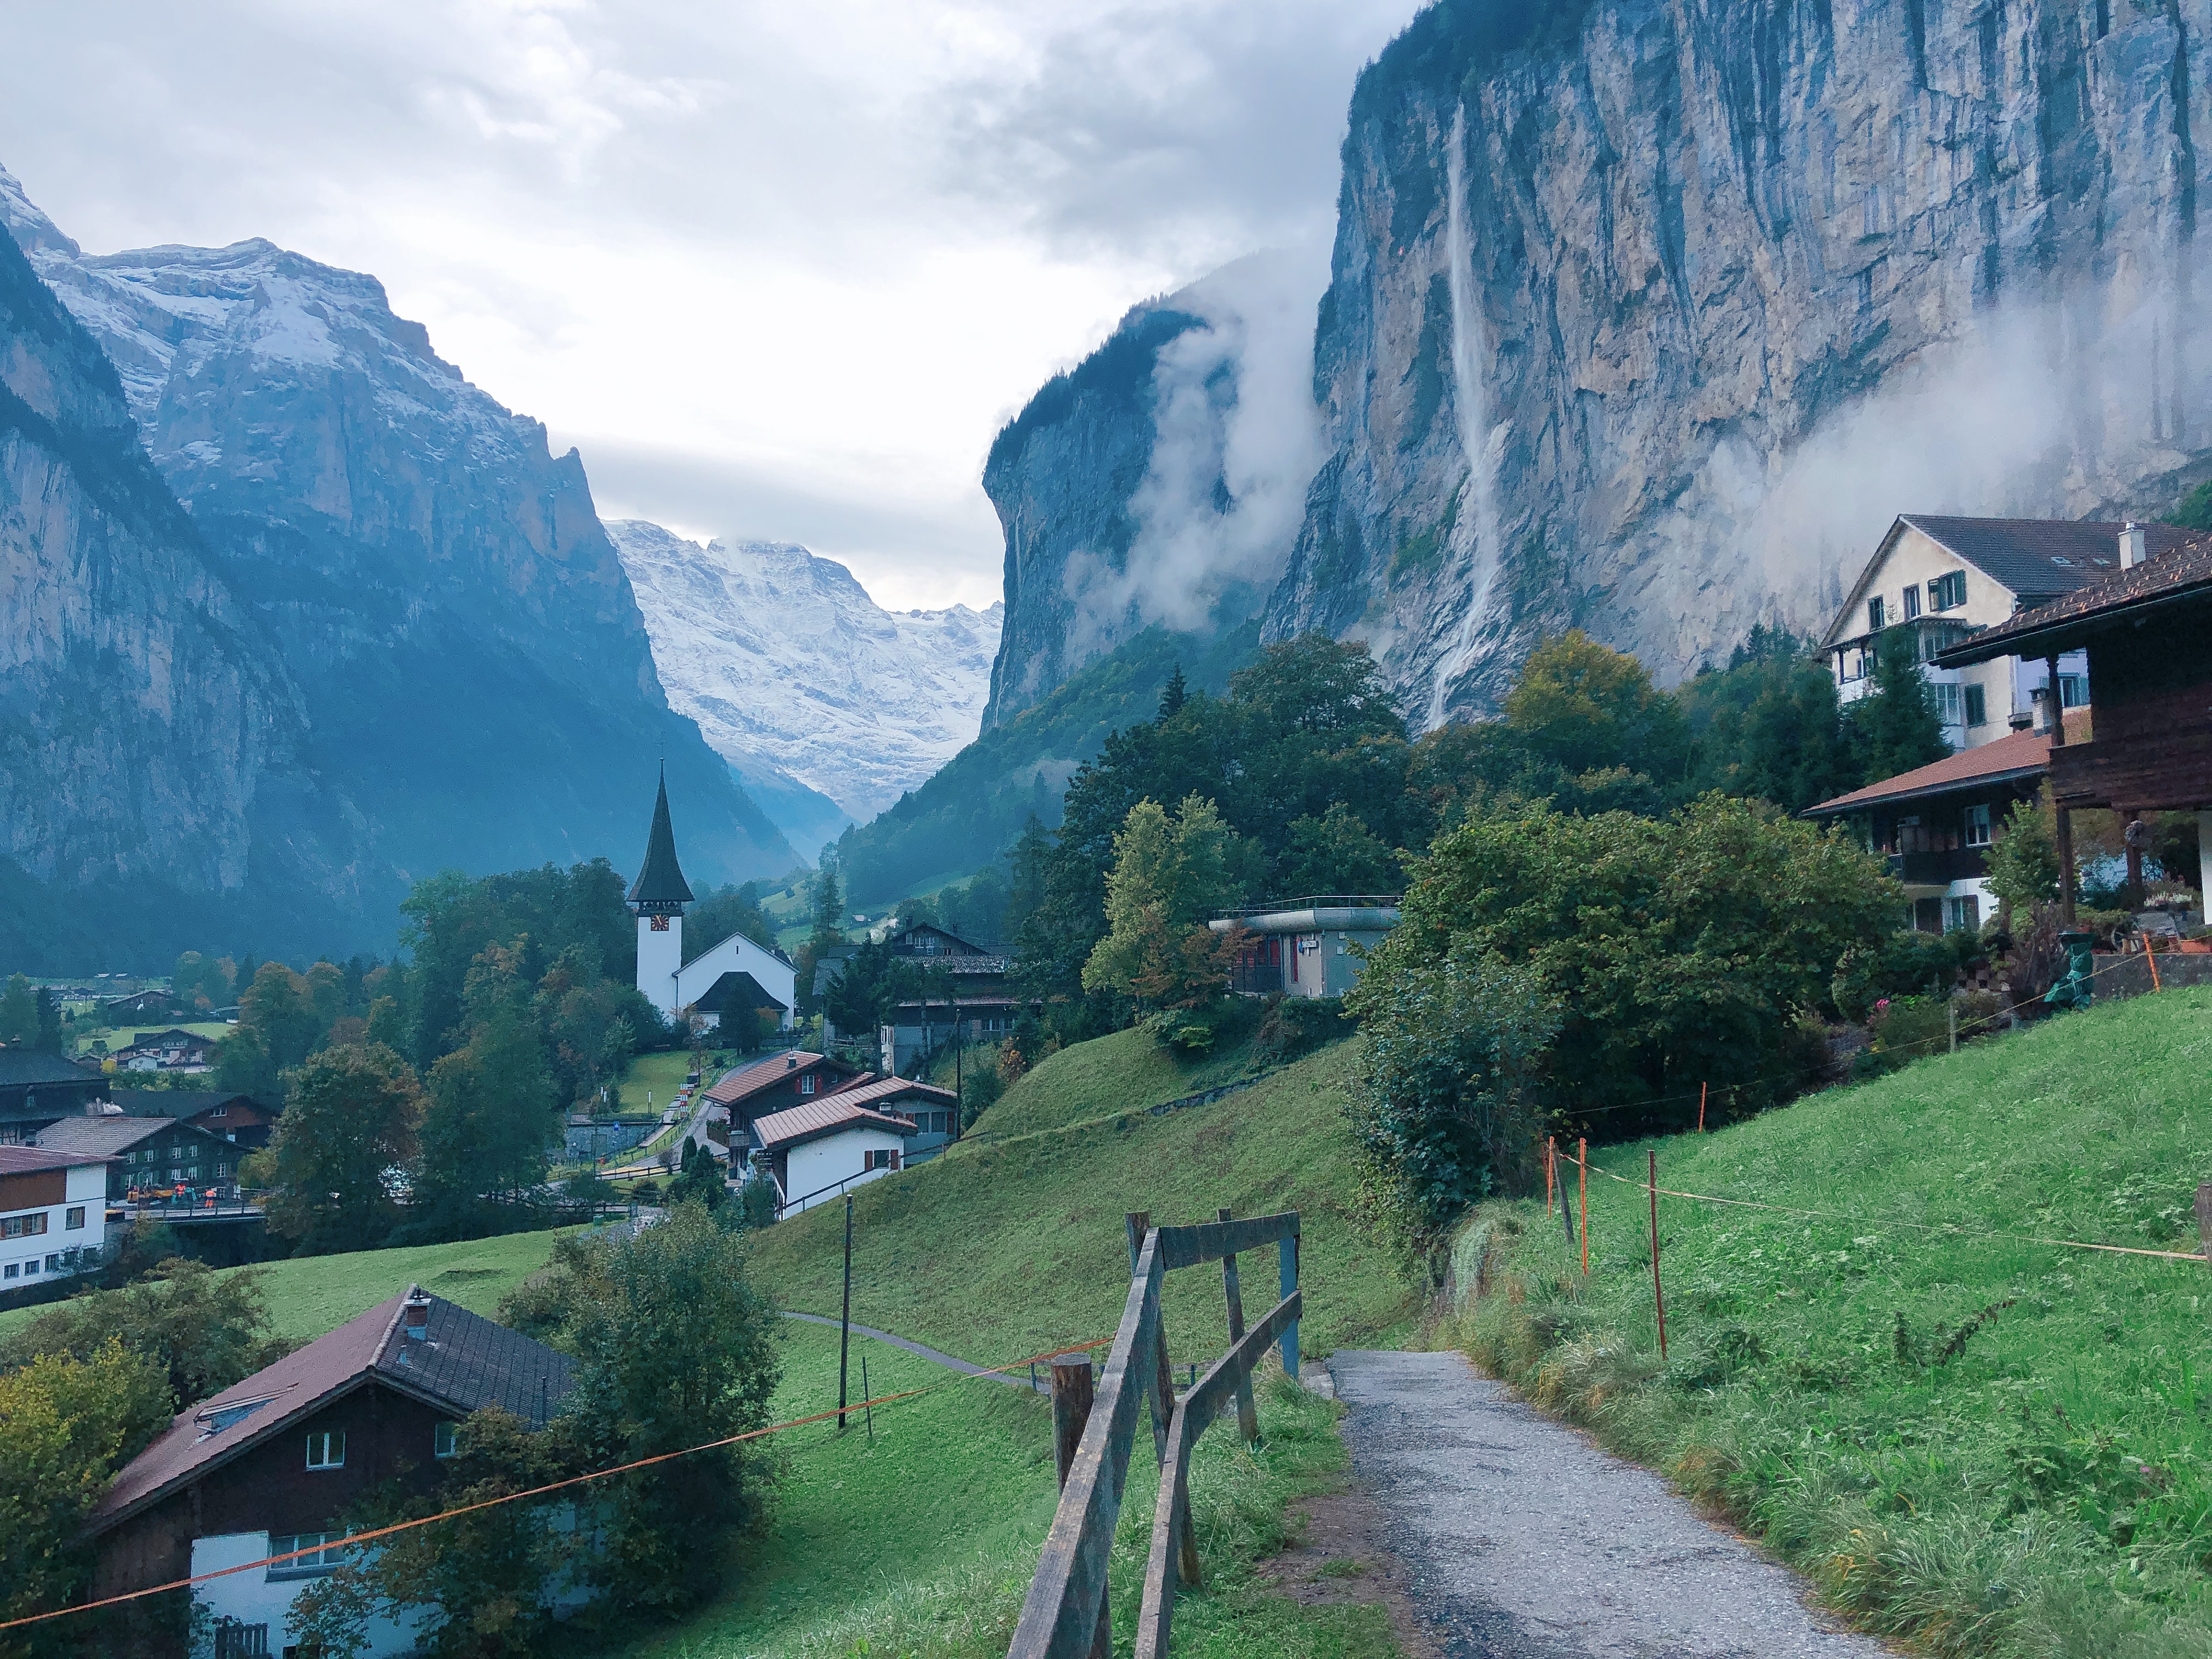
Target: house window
[1948,591]
[1978,826]
[23,1226]
[441,1440]
[219,1111]
[314,1554]
[806,1084]
[30,1267]
[73,1218]
[1911,602]
[1978,706]
[1874,621]
[1950,707]
[2073,691]
[882,1158]
[9,1271]
[1960,913]
[326,1450]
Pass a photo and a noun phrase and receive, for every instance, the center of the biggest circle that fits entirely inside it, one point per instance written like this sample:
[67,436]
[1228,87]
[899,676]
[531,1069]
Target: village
[2064,667]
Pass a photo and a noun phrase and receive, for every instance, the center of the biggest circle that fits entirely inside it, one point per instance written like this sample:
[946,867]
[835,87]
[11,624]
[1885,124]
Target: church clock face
[660,924]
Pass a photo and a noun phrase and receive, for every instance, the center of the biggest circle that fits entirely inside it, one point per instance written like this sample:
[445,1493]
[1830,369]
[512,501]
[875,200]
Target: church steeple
[660,889]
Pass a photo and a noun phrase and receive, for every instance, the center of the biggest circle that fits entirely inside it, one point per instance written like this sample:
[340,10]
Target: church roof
[661,884]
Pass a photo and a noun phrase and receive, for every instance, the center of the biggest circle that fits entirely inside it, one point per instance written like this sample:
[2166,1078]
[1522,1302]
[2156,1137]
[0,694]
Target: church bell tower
[659,896]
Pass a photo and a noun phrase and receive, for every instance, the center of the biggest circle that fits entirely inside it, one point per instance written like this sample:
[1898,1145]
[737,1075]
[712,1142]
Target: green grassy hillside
[310,1295]
[1125,1072]
[1988,1444]
[1010,1246]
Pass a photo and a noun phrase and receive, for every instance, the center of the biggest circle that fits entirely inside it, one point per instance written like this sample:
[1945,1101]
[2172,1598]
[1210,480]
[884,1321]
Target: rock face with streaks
[153,778]
[1647,316]
[471,661]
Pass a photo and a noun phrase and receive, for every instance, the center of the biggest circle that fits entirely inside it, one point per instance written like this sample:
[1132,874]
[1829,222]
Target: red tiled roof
[821,1117]
[760,1074]
[2176,573]
[2019,754]
[876,1089]
[28,1160]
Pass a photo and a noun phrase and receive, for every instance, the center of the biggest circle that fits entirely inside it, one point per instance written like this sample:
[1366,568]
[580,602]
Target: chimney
[2041,698]
[2132,551]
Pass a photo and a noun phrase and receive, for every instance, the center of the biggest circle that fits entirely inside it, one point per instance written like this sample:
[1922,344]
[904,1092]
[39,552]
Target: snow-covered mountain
[795,674]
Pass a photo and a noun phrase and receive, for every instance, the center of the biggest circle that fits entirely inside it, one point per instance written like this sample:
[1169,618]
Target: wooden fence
[1067,1613]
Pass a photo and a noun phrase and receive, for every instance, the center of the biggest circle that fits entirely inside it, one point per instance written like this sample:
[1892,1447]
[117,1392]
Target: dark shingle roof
[464,1363]
[30,1160]
[2037,558]
[26,1068]
[180,1103]
[105,1136]
[661,884]
[735,990]
[2177,574]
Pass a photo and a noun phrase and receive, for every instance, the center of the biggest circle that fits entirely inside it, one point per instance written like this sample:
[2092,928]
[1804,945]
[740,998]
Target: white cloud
[804,259]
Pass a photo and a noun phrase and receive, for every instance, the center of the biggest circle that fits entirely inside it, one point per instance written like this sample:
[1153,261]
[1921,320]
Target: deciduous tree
[345,1140]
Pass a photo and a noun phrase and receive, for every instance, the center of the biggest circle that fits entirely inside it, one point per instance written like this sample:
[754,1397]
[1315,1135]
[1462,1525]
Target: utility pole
[845,1319]
[959,1053]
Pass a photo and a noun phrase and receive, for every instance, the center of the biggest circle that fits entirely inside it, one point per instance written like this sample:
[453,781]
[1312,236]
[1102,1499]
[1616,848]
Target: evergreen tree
[49,1039]
[1894,727]
[19,1013]
[1174,694]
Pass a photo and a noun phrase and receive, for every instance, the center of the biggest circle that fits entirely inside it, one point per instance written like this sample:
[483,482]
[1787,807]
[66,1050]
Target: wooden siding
[33,1190]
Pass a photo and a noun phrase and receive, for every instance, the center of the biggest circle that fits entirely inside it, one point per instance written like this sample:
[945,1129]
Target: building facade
[149,1156]
[36,1090]
[721,980]
[53,1214]
[816,1152]
[1307,947]
[1944,579]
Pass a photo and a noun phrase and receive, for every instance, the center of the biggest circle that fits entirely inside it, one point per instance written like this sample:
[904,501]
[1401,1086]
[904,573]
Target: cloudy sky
[780,270]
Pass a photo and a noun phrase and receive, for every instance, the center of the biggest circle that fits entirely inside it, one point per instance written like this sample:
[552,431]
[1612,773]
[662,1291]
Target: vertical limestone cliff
[154,789]
[1647,315]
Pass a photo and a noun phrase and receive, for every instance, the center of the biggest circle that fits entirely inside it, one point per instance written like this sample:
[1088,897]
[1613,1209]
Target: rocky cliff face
[800,680]
[1648,315]
[1160,480]
[469,654]
[152,777]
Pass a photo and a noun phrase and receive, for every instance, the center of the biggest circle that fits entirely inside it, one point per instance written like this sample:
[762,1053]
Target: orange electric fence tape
[1816,1070]
[354,1538]
[1920,1226]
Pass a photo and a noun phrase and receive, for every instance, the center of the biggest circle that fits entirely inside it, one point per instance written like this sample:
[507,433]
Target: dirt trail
[1520,1539]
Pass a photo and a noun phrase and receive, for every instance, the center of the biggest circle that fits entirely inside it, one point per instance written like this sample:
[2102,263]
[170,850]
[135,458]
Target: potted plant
[2198,943]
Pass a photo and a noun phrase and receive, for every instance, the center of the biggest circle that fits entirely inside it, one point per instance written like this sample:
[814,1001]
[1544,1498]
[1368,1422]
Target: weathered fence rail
[1066,1615]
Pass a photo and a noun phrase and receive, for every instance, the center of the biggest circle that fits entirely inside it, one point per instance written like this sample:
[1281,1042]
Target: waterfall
[1474,530]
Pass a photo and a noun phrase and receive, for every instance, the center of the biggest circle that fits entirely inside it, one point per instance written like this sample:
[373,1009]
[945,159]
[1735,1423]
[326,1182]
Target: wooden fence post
[1248,1413]
[1070,1415]
[844,1318]
[1286,1254]
[1581,1179]
[2204,1219]
[1140,1223]
[1658,1296]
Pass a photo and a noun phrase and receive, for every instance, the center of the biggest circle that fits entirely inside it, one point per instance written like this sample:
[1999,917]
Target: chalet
[240,1119]
[775,1084]
[1944,579]
[151,1004]
[173,1050]
[36,1090]
[147,1156]
[982,1005]
[816,1151]
[1937,824]
[1303,947]
[53,1213]
[2145,631]
[272,1465]
[927,1107]
[737,973]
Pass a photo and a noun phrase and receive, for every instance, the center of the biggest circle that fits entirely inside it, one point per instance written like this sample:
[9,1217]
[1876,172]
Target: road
[1520,1539]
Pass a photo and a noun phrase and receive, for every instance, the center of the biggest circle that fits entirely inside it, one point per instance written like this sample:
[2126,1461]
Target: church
[736,975]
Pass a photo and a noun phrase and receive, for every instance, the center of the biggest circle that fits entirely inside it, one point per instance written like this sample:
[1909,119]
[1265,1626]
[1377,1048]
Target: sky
[780,272]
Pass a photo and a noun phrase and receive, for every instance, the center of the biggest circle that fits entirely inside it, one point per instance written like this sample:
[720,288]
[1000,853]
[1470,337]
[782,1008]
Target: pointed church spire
[660,885]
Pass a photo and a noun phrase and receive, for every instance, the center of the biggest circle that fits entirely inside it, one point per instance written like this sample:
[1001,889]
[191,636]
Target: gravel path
[966,1368]
[1523,1540]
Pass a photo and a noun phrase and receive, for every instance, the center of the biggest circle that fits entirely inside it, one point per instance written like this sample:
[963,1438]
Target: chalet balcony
[2166,771]
[1939,869]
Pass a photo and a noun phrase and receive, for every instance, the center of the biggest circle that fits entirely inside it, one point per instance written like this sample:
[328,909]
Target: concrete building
[1305,947]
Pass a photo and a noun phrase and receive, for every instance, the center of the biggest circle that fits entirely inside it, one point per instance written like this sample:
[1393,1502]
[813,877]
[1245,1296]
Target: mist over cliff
[1646,316]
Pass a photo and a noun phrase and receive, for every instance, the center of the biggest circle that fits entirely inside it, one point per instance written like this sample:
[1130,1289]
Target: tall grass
[1987,1446]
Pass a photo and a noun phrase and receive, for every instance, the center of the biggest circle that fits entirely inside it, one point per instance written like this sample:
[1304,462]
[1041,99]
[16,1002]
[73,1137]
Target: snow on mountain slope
[792,670]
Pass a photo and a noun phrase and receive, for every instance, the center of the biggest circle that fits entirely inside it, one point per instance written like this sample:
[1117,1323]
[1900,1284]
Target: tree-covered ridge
[1450,41]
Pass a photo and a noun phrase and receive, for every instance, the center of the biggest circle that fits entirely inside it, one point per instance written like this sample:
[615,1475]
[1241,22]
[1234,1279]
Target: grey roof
[103,1137]
[2169,577]
[660,885]
[462,1363]
[183,1103]
[735,990]
[30,1160]
[28,1068]
[2040,558]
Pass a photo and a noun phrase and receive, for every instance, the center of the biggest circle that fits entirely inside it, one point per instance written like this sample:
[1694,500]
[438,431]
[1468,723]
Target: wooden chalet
[148,1155]
[752,1093]
[38,1089]
[2147,632]
[240,1119]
